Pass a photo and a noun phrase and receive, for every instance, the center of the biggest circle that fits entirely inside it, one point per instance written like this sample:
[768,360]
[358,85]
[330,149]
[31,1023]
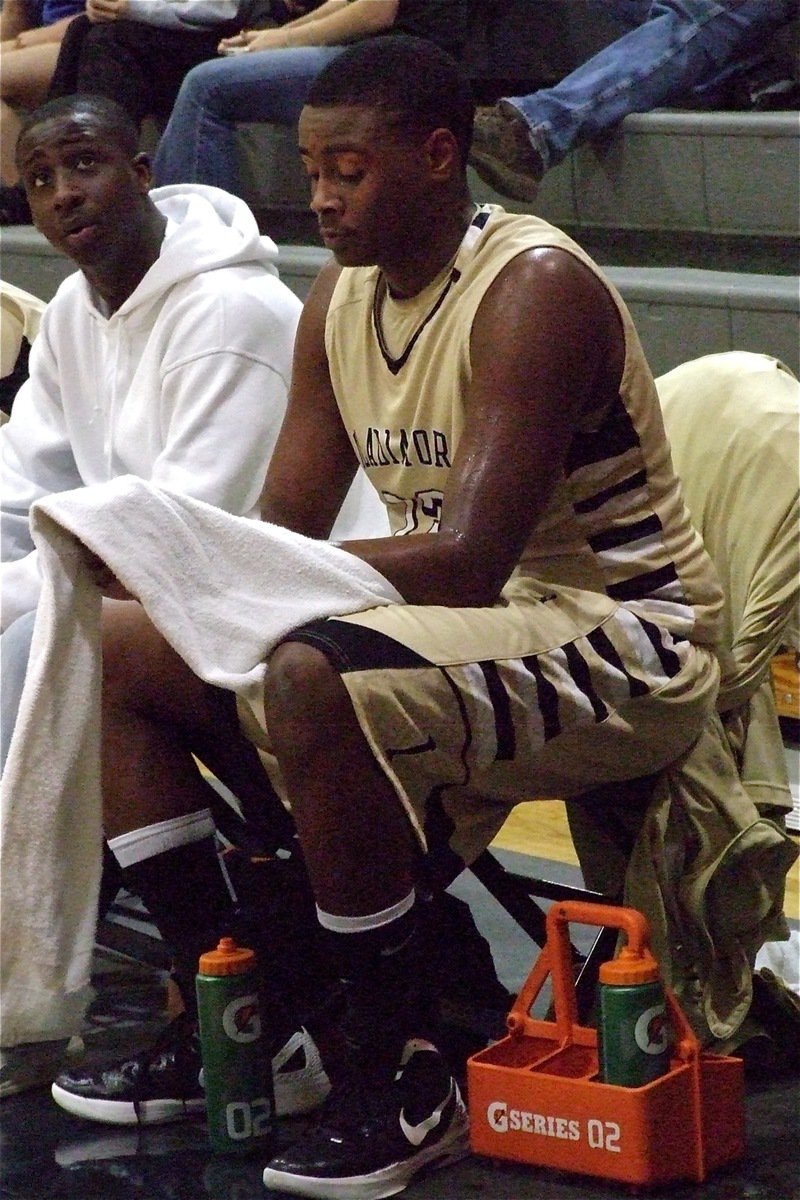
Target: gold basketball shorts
[469,711]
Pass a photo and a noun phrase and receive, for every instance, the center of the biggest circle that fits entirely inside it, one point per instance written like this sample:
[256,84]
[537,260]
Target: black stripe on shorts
[503,724]
[354,647]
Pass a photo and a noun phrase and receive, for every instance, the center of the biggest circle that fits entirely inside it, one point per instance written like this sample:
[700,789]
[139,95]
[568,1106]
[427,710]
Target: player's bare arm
[546,343]
[314,463]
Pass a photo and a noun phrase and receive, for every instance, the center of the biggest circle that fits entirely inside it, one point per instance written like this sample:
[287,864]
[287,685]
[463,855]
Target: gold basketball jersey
[616,522]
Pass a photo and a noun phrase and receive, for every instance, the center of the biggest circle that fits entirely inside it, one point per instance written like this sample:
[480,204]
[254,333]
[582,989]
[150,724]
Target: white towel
[222,590]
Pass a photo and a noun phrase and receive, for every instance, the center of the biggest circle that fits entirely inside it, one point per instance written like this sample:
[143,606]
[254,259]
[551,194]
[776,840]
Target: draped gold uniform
[596,663]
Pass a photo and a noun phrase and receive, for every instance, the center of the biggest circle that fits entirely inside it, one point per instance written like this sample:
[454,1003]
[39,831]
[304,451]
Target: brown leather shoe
[502,153]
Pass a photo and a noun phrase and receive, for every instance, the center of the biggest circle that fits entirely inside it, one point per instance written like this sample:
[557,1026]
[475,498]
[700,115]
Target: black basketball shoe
[164,1083]
[374,1135]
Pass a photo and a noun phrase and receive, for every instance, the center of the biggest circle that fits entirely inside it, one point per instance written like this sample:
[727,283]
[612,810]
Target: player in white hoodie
[168,356]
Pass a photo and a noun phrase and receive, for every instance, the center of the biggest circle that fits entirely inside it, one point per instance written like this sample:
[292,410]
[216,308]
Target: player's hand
[238,43]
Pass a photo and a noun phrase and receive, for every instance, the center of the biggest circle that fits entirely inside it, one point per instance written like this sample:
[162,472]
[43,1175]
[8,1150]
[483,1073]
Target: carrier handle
[556,961]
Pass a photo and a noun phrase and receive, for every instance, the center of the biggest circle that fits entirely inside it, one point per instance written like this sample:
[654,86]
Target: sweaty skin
[372,192]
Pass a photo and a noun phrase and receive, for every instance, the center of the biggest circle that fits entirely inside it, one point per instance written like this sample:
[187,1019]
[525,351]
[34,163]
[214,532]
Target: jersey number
[423,511]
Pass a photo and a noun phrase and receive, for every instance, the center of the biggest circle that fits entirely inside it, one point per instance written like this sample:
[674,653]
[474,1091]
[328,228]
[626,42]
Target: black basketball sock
[174,868]
[385,981]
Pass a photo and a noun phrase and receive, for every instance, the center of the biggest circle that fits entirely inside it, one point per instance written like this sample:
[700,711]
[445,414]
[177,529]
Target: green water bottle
[237,1072]
[633,1028]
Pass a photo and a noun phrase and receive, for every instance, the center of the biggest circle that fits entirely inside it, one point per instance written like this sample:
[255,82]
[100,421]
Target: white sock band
[338,924]
[147,842]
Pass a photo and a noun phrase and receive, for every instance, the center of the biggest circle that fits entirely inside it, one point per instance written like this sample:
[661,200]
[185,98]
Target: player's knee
[301,684]
[131,646]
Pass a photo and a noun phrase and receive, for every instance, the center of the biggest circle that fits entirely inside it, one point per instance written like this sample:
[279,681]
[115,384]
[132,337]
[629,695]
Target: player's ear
[444,159]
[143,169]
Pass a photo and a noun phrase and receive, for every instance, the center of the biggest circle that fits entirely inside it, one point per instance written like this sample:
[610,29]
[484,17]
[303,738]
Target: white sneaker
[299,1078]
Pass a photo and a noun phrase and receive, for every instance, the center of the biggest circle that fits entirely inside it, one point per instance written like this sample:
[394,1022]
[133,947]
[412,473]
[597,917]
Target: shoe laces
[367,1096]
[358,1100]
[174,1038]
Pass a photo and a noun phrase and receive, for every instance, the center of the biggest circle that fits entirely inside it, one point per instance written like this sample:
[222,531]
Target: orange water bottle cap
[629,967]
[227,959]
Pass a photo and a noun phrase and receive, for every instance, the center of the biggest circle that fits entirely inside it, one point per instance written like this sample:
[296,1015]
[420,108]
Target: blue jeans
[199,143]
[674,49]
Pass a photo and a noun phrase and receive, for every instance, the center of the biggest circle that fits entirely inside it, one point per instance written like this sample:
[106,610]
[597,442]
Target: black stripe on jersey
[621,535]
[395,365]
[503,724]
[647,584]
[631,484]
[615,437]
[669,659]
[579,670]
[547,697]
[355,648]
[605,649]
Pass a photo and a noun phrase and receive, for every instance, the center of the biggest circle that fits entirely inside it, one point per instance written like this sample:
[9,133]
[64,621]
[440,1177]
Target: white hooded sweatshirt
[185,385]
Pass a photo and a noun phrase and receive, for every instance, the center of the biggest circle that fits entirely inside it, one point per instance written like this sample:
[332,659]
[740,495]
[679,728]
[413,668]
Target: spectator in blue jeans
[675,50]
[266,75]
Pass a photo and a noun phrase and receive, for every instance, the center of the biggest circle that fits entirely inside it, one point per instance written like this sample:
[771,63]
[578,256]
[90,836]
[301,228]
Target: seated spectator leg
[24,81]
[140,66]
[678,46]
[199,143]
[64,80]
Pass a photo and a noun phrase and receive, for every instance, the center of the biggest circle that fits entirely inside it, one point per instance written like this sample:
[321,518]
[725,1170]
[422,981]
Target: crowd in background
[203,67]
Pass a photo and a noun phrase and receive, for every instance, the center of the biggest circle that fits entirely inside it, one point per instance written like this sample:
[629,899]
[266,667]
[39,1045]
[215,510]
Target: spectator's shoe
[502,152]
[164,1083]
[374,1135]
[14,207]
[33,1064]
[768,86]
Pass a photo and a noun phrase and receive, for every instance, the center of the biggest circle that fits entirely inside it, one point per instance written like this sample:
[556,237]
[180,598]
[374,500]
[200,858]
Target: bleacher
[695,215]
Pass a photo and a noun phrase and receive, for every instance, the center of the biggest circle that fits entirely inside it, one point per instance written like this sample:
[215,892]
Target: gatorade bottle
[237,1071]
[633,1027]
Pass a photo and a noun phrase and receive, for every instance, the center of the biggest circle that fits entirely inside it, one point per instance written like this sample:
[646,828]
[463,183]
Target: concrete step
[721,173]
[717,174]
[680,312]
[717,191]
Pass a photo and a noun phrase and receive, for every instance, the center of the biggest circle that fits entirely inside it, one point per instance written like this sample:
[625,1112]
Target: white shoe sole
[125,1112]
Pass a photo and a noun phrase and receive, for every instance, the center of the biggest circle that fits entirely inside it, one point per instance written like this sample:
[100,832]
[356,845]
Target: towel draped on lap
[222,590]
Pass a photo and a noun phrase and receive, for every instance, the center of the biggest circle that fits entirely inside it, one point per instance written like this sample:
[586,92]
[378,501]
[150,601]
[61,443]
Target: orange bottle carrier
[535,1096]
